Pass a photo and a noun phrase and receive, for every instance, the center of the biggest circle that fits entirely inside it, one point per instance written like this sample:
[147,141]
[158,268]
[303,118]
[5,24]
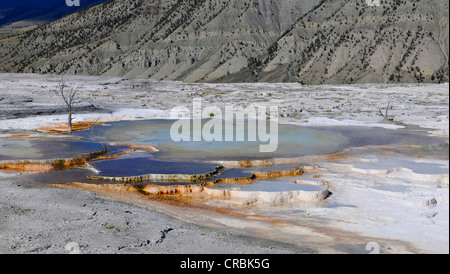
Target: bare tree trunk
[386,114]
[93,125]
[69,99]
[70,122]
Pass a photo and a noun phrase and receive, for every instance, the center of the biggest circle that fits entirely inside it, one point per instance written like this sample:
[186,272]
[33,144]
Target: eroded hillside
[313,42]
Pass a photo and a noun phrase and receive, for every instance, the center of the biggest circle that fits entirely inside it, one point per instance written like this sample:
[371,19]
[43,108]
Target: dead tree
[69,98]
[94,123]
[386,114]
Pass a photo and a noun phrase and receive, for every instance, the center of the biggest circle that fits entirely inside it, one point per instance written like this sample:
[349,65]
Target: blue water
[293,141]
[45,148]
[416,167]
[235,173]
[271,186]
[190,157]
[143,166]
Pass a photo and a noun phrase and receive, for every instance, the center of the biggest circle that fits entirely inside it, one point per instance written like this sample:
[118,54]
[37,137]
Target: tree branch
[386,114]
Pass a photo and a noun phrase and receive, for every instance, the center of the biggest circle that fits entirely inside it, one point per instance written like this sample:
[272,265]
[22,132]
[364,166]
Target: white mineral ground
[378,195]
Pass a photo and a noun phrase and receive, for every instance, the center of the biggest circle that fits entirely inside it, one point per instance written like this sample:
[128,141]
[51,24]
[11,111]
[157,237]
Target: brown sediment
[149,147]
[329,157]
[63,128]
[195,210]
[255,163]
[192,178]
[258,163]
[144,191]
[338,156]
[115,156]
[238,181]
[27,167]
[278,173]
[49,164]
[19,135]
[137,183]
[98,187]
[247,163]
[171,190]
[42,165]
[160,177]
[261,163]
[170,195]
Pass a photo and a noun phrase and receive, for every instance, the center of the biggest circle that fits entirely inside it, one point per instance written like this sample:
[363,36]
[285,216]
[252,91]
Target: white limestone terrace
[376,193]
[423,105]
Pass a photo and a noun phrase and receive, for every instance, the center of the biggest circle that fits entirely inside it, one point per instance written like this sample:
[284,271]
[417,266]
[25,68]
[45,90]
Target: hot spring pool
[190,157]
[293,141]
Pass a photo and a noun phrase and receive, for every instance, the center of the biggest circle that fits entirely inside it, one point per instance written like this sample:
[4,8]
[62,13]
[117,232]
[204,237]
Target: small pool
[45,148]
[143,166]
[416,167]
[274,186]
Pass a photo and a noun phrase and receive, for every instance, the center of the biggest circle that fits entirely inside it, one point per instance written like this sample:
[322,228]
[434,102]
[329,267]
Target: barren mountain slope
[191,40]
[310,41]
[345,41]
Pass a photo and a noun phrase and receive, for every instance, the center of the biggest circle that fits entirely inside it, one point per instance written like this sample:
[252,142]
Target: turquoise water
[188,157]
[292,141]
